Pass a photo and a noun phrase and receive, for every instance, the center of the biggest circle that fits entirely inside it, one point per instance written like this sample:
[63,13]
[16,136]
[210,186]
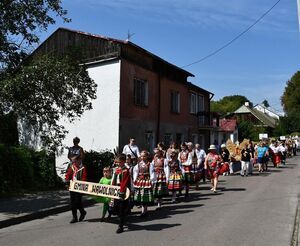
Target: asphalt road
[257,210]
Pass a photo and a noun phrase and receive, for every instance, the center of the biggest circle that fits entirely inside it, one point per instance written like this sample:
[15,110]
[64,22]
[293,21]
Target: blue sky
[257,65]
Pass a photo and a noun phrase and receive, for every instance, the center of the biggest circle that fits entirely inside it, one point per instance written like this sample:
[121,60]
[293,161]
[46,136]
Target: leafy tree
[291,96]
[290,101]
[228,104]
[47,90]
[39,90]
[266,103]
[20,22]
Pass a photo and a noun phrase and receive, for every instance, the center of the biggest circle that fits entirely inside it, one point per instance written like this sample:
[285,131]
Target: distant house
[139,94]
[228,130]
[257,117]
[269,111]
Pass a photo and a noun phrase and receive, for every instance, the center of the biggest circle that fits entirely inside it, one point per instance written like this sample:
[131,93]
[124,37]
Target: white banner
[97,189]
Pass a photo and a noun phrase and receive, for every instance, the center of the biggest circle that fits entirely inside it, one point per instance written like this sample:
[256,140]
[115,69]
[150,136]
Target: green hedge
[95,162]
[23,170]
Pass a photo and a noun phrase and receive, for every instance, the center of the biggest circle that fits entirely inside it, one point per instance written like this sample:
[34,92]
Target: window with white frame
[175,102]
[140,92]
[196,103]
[193,103]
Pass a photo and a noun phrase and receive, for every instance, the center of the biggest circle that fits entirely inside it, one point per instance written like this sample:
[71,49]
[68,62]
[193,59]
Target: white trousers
[245,167]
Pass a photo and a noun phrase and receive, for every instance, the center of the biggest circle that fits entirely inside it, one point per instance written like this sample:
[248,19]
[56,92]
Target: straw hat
[212,147]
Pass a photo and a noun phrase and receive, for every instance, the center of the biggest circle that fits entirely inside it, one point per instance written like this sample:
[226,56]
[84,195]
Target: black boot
[82,215]
[120,229]
[74,220]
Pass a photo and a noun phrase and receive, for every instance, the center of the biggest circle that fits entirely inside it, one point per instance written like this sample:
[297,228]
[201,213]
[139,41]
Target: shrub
[23,170]
[95,162]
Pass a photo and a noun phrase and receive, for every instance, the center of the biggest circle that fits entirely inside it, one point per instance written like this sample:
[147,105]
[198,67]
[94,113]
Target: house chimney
[247,104]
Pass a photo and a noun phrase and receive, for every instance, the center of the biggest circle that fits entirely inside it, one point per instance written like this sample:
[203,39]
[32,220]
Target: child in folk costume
[76,171]
[174,174]
[212,165]
[143,175]
[106,180]
[160,166]
[186,161]
[121,177]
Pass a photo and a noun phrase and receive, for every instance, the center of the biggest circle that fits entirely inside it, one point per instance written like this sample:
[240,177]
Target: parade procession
[143,179]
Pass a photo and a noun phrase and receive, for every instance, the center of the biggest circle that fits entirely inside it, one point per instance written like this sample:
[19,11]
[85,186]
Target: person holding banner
[76,171]
[121,177]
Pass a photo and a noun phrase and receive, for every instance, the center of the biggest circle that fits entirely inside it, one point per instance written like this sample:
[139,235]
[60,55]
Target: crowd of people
[167,172]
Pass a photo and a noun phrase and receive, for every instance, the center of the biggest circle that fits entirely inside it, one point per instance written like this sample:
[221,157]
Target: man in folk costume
[76,171]
[186,161]
[160,166]
[174,174]
[121,177]
[143,176]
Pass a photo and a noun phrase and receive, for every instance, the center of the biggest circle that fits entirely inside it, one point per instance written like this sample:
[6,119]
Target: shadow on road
[152,227]
[224,189]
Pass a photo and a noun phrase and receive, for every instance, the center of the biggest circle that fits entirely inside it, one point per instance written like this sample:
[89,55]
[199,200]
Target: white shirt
[134,148]
[200,155]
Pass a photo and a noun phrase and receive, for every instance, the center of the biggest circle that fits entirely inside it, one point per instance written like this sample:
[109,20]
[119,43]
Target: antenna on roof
[129,35]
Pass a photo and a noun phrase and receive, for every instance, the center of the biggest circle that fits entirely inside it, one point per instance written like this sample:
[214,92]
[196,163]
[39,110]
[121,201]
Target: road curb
[40,214]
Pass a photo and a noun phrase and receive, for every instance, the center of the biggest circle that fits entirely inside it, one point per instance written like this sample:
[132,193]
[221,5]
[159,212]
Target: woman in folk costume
[186,161]
[160,166]
[212,165]
[76,171]
[174,174]
[121,177]
[143,175]
[276,158]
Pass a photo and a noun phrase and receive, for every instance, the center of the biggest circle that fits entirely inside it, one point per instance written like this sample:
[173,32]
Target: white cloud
[216,14]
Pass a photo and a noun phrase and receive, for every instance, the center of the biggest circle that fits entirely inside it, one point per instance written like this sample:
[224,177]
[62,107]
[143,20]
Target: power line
[234,39]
